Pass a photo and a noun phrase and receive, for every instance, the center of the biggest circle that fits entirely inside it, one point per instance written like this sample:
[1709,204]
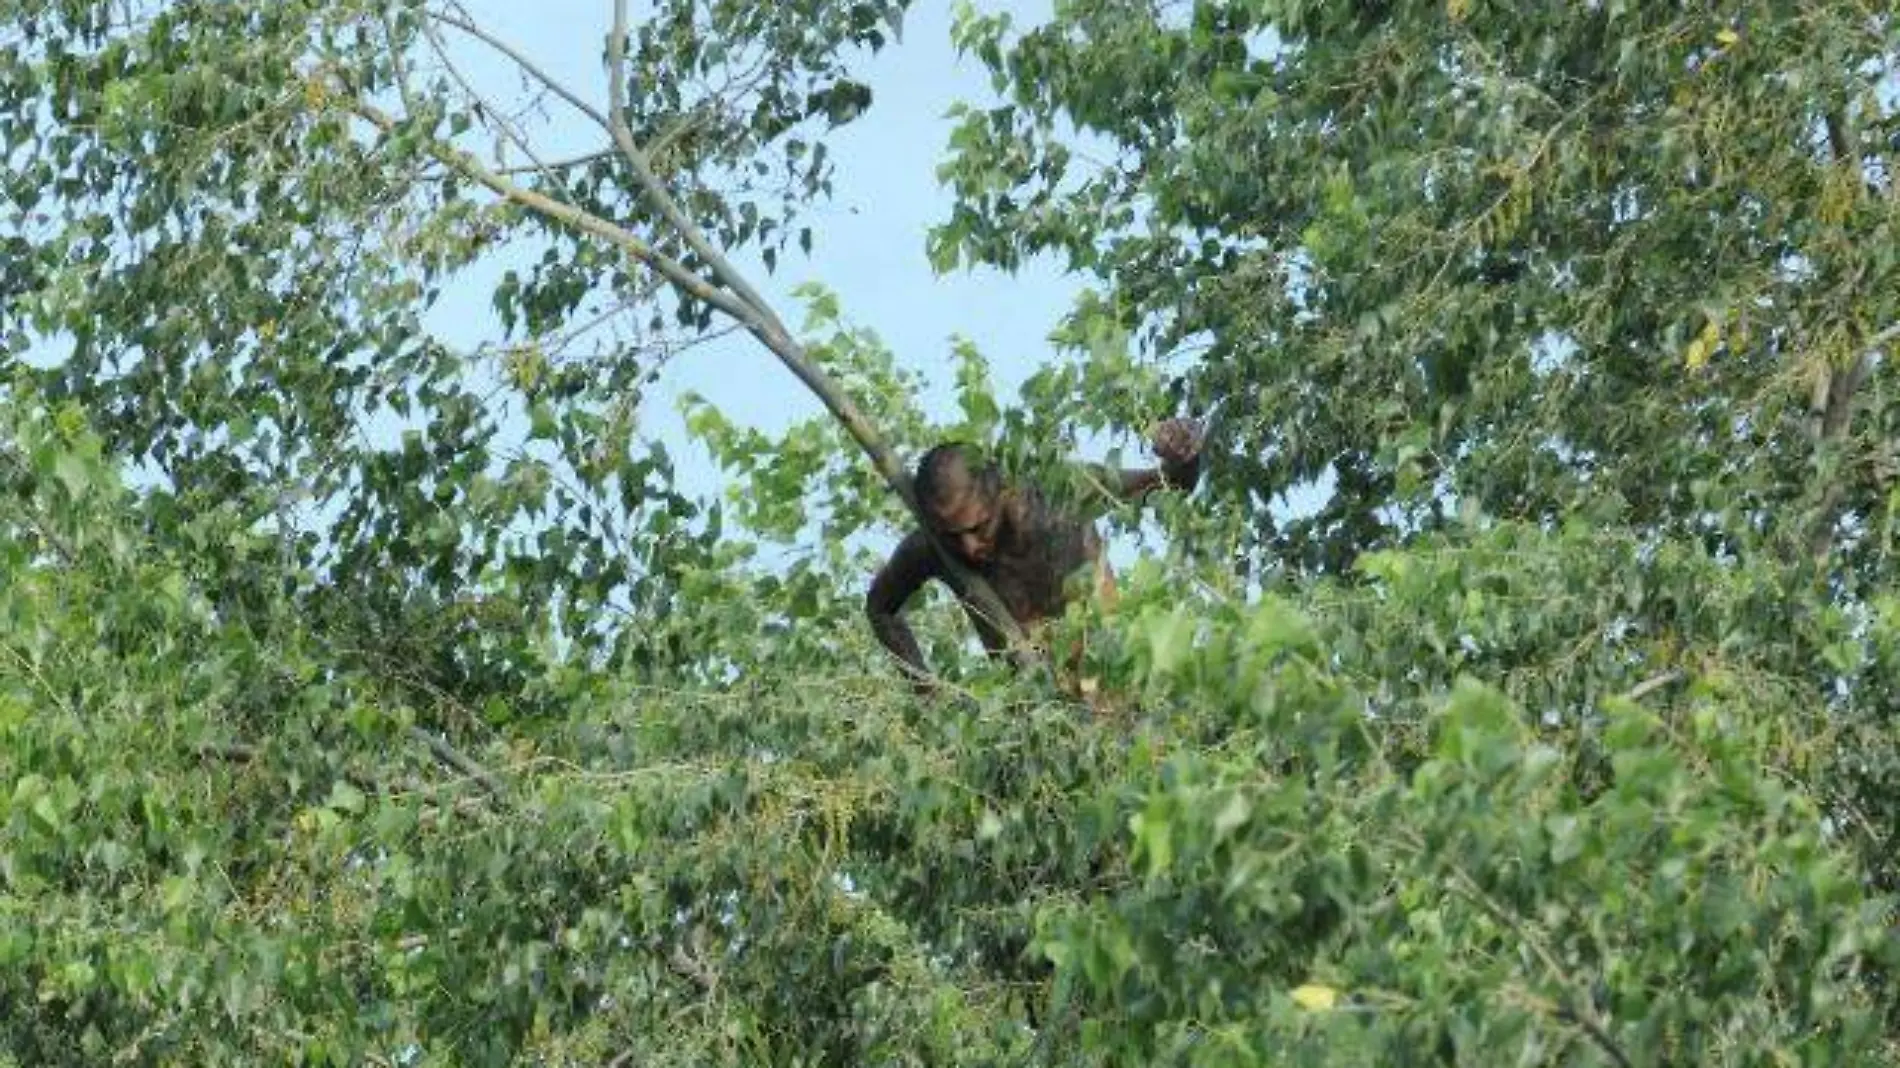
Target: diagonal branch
[1580,1011]
[1653,683]
[1839,141]
[723,271]
[454,758]
[671,269]
[559,165]
[760,324]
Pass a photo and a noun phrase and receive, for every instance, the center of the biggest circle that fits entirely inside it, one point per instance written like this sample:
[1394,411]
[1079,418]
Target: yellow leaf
[1315,997]
[1726,37]
[1699,351]
[1457,9]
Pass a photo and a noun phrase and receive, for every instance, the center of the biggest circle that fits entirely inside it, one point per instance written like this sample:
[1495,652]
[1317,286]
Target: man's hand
[1177,444]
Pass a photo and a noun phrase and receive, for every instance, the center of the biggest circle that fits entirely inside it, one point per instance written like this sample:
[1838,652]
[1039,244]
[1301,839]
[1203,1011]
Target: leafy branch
[723,287]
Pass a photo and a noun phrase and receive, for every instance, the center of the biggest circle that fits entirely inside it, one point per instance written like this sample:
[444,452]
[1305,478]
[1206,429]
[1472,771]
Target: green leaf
[1170,640]
[345,798]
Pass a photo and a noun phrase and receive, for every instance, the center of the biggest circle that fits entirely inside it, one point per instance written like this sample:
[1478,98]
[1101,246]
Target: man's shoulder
[1068,491]
[912,563]
[1041,512]
[915,542]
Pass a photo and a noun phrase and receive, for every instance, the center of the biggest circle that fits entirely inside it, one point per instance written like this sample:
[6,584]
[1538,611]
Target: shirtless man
[1012,537]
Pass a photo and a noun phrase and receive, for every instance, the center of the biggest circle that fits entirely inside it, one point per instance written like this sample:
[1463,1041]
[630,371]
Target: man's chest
[1034,573]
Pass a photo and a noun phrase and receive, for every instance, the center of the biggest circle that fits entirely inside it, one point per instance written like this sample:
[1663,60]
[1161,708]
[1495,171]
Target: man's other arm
[1177,444]
[912,563]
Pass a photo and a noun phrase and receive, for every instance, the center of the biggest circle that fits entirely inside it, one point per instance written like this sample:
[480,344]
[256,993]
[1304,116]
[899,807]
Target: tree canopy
[368,699]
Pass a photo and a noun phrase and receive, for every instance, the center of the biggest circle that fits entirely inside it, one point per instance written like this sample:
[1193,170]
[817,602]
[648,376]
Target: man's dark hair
[948,471]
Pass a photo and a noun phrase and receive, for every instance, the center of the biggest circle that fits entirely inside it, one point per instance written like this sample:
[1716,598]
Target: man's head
[961,501]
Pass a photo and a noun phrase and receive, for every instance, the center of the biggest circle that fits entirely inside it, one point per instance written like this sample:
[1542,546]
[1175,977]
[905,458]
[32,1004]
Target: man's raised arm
[1177,444]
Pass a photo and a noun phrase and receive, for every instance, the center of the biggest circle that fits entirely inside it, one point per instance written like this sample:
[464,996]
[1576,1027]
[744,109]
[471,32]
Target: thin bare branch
[1653,683]
[528,66]
[1580,1010]
[490,113]
[1886,337]
[396,61]
[234,752]
[1831,410]
[692,969]
[558,165]
[1839,141]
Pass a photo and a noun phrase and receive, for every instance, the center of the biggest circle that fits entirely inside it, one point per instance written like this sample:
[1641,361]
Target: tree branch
[1831,409]
[672,270]
[1580,1012]
[486,108]
[558,165]
[1653,683]
[761,324]
[232,752]
[454,758]
[1839,141]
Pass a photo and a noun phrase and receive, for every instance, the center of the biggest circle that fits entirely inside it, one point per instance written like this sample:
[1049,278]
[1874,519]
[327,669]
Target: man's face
[969,525]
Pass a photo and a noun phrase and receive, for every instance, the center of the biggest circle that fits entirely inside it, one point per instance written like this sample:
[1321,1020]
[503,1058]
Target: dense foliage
[1626,258]
[363,700]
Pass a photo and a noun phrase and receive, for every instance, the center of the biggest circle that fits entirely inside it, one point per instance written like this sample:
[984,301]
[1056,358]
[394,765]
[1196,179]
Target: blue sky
[870,236]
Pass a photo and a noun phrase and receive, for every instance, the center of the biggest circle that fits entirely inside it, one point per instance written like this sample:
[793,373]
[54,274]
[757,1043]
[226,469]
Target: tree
[1530,761]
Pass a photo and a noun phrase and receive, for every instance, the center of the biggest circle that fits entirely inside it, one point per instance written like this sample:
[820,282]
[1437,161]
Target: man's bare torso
[1043,553]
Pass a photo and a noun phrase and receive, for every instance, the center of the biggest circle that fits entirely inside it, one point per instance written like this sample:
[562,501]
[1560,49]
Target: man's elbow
[1183,478]
[882,613]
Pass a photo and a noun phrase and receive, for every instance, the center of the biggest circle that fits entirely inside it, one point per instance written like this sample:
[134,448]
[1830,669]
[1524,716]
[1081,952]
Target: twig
[493,114]
[235,752]
[558,165]
[1839,142]
[453,757]
[527,65]
[1831,411]
[692,967]
[1653,683]
[1580,1014]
